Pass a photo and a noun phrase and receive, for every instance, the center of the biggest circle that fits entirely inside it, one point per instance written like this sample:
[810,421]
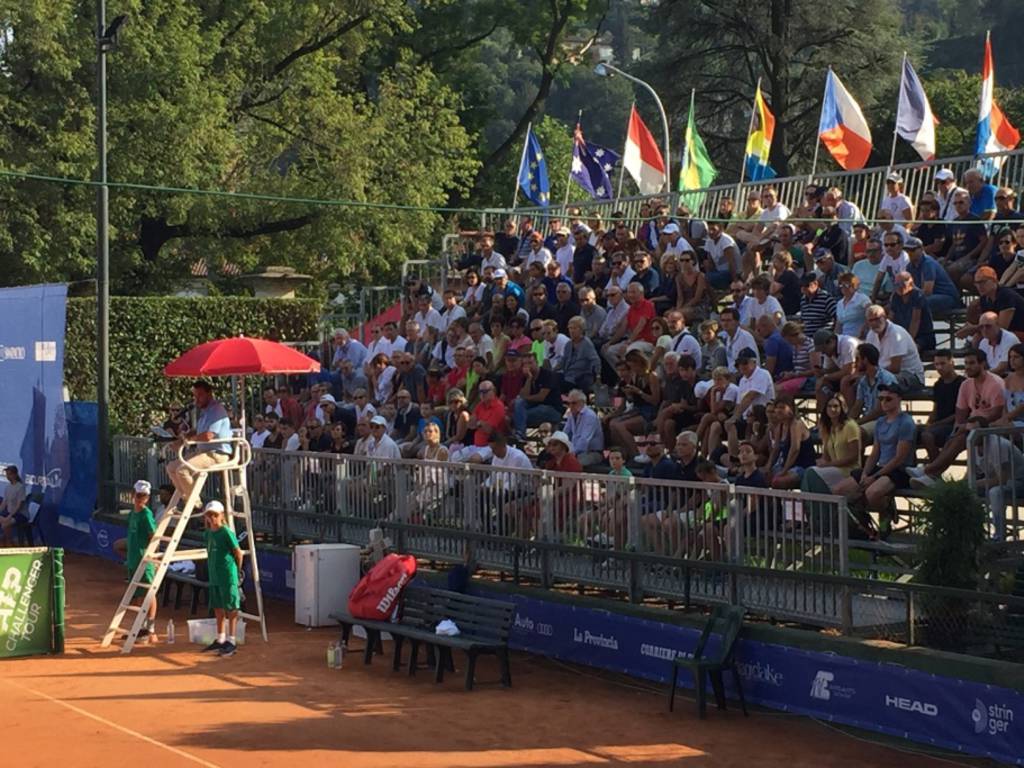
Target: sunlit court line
[112,724]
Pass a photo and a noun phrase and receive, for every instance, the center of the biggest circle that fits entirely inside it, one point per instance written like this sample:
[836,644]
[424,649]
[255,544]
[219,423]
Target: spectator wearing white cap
[895,202]
[381,445]
[945,190]
[564,249]
[672,243]
[141,527]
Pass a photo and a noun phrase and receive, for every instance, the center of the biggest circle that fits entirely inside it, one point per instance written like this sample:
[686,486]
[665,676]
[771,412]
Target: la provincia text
[19,614]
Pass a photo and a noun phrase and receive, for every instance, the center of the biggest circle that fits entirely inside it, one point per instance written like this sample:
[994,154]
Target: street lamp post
[604,69]
[106,41]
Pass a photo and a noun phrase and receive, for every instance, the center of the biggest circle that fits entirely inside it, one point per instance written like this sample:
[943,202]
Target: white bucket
[204,631]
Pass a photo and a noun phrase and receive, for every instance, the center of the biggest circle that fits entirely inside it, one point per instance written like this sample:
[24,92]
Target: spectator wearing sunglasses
[891,456]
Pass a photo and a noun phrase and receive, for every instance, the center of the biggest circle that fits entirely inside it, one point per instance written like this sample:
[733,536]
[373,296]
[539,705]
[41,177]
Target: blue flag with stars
[592,166]
[533,172]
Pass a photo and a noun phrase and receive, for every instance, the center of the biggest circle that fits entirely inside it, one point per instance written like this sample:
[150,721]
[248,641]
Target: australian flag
[533,172]
[592,166]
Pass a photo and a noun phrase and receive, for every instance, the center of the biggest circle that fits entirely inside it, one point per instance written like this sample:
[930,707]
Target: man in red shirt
[636,324]
[488,416]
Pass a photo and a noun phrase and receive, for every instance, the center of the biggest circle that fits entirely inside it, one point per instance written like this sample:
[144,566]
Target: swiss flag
[642,158]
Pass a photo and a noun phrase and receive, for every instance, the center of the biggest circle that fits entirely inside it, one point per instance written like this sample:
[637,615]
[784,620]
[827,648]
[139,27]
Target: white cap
[944,174]
[894,177]
[701,388]
[559,437]
[499,272]
[327,399]
[213,506]
[143,487]
[670,229]
[380,421]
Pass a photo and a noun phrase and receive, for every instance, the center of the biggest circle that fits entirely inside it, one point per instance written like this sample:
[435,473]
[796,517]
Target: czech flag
[995,134]
[914,119]
[642,158]
[843,128]
[759,142]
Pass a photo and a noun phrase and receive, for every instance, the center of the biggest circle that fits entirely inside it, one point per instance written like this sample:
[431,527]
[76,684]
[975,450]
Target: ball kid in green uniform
[141,527]
[224,558]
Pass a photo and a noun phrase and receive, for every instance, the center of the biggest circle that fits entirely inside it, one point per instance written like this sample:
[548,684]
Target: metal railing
[780,554]
[328,497]
[995,468]
[865,188]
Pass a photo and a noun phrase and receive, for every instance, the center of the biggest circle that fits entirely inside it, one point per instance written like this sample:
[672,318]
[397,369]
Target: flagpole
[817,141]
[622,169]
[750,130]
[522,158]
[686,143]
[896,127]
[568,181]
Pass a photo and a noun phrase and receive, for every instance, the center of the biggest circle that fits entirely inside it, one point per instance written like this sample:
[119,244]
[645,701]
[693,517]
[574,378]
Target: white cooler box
[325,575]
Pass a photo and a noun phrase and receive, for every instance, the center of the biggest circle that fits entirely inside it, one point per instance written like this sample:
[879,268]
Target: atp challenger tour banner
[33,428]
[31,602]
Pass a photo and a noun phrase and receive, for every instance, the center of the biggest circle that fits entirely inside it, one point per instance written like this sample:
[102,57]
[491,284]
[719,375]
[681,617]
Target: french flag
[914,119]
[843,128]
[642,158]
[995,133]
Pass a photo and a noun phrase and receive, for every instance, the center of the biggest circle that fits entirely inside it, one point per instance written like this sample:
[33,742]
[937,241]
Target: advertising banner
[33,429]
[961,715]
[26,602]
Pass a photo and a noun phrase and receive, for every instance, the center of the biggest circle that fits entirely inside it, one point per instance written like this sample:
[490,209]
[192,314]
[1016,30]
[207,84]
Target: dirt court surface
[277,704]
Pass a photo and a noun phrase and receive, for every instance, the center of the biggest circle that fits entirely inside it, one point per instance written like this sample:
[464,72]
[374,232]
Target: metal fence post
[153,465]
[633,516]
[846,598]
[911,618]
[738,519]
[401,486]
[547,514]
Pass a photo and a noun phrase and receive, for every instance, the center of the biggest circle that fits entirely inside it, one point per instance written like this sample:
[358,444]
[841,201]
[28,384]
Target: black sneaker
[228,649]
[214,646]
[142,633]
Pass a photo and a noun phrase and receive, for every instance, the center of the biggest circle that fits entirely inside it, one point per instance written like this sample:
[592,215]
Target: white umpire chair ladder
[162,549]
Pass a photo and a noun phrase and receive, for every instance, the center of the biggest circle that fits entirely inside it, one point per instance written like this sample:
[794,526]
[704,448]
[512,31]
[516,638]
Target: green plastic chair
[725,620]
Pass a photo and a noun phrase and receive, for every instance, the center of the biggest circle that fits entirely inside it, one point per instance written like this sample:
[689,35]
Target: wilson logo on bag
[376,596]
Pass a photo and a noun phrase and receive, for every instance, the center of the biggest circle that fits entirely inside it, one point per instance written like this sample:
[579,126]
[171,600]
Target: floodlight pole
[106,41]
[102,264]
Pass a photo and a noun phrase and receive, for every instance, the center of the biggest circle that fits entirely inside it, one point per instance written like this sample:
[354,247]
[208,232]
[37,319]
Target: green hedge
[147,333]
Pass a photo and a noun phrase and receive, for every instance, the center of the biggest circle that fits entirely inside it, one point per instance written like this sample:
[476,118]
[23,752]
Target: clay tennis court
[278,703]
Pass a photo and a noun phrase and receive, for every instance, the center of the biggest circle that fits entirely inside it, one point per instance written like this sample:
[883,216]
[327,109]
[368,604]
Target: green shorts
[147,578]
[226,597]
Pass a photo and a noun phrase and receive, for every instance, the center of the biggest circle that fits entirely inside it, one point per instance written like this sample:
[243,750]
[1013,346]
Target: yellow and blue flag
[533,172]
[759,141]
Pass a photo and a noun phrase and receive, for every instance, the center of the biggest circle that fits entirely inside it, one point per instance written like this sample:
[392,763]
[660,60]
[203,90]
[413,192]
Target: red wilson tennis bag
[377,594]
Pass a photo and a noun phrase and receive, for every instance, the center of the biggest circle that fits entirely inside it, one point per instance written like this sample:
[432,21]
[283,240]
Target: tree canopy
[284,97]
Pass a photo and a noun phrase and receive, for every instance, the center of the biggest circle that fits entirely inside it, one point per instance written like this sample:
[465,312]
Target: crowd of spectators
[670,344]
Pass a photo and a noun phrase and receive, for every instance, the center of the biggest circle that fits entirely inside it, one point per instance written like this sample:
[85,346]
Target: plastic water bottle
[339,655]
[170,631]
[332,656]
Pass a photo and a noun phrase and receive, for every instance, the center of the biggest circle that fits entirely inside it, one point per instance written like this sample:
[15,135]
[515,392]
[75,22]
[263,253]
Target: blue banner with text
[33,429]
[955,714]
